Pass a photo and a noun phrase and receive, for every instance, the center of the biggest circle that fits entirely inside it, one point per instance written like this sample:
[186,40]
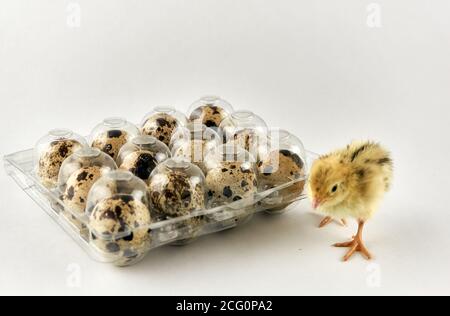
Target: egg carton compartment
[176,231]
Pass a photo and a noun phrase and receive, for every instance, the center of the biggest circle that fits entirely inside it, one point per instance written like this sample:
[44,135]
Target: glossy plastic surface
[162,122]
[282,159]
[142,155]
[110,135]
[210,111]
[78,174]
[118,216]
[245,129]
[21,168]
[51,151]
[194,142]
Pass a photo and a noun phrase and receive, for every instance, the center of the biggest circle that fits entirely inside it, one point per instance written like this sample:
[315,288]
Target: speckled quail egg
[177,188]
[210,111]
[162,123]
[78,186]
[120,227]
[209,115]
[248,139]
[246,130]
[282,162]
[53,157]
[110,135]
[140,163]
[110,142]
[194,151]
[193,142]
[77,176]
[281,167]
[230,182]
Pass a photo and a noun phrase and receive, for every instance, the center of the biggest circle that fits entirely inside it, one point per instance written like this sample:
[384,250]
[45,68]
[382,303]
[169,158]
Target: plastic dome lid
[181,166]
[228,153]
[57,135]
[279,139]
[194,131]
[84,158]
[243,122]
[165,111]
[117,183]
[211,100]
[114,124]
[51,151]
[245,129]
[220,107]
[145,143]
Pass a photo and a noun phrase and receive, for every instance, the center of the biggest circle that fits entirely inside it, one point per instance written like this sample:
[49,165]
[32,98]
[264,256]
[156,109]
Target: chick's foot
[327,220]
[356,245]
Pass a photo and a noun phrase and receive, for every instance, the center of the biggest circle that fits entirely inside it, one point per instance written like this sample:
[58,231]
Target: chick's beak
[316,203]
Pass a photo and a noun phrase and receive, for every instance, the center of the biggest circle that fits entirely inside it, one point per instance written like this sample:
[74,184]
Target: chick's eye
[334,188]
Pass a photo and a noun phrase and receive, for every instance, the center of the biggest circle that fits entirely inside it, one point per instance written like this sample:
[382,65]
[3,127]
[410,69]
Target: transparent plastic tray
[174,231]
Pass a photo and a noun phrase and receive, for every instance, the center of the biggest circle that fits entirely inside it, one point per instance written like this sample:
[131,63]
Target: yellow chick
[351,182]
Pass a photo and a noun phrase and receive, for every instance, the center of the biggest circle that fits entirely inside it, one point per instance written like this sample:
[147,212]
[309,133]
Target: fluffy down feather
[351,182]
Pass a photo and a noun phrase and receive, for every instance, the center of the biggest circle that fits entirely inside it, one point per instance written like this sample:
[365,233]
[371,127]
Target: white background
[317,68]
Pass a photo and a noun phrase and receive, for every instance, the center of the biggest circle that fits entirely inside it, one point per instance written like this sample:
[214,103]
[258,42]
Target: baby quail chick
[351,183]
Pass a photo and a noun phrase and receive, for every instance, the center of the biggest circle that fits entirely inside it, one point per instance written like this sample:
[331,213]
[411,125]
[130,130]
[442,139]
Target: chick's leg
[356,245]
[328,220]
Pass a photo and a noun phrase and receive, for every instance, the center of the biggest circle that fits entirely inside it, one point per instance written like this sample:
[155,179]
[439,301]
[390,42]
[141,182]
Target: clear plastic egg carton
[128,208]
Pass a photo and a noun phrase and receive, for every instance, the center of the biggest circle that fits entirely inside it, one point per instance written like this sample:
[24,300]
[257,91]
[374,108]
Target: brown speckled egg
[174,195]
[177,188]
[161,126]
[231,182]
[140,163]
[209,115]
[118,215]
[111,142]
[51,160]
[195,151]
[281,167]
[78,186]
[248,139]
